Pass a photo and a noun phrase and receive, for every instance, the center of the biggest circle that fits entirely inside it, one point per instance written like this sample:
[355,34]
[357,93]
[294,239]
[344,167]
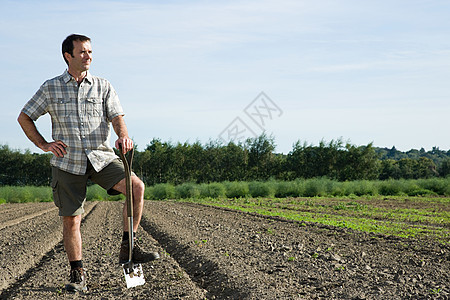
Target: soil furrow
[5,207]
[23,245]
[11,211]
[26,217]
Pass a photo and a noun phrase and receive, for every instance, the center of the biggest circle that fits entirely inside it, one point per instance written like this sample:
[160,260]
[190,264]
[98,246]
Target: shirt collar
[88,77]
[67,77]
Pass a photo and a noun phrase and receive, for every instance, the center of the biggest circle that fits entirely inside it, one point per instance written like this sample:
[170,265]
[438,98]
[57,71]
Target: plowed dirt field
[214,253]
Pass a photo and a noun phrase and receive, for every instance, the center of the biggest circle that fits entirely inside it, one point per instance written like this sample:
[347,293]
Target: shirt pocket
[94,107]
[62,107]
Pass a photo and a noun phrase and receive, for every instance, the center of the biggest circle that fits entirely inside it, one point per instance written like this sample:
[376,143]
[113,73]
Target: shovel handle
[127,161]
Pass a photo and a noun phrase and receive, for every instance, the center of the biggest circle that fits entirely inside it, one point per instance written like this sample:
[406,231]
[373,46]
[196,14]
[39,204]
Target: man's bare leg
[139,255]
[138,201]
[73,246]
[72,237]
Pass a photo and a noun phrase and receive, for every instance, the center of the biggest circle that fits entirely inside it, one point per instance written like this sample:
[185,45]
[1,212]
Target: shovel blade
[134,276]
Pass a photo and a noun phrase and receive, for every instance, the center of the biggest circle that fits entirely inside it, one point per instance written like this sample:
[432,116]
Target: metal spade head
[134,276]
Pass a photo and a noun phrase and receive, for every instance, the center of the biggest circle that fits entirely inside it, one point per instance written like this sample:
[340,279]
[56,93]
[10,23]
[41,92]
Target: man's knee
[72,222]
[138,185]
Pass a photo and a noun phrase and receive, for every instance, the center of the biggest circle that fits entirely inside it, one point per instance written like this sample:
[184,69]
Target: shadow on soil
[202,271]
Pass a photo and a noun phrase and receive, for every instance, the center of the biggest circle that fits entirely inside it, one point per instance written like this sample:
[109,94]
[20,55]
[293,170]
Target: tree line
[254,159]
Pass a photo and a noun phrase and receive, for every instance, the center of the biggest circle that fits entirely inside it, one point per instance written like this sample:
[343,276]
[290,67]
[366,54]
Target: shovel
[133,272]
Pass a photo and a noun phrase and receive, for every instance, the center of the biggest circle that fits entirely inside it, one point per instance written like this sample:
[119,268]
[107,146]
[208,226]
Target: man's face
[82,56]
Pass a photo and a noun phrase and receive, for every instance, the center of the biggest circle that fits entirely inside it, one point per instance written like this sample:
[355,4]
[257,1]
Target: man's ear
[68,56]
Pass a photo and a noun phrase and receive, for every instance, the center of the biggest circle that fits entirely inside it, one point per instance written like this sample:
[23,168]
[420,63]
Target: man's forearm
[119,126]
[124,140]
[58,148]
[29,127]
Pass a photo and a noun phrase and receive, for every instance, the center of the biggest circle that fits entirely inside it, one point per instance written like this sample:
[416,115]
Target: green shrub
[315,188]
[148,193]
[162,191]
[187,190]
[341,189]
[261,189]
[329,185]
[447,189]
[409,187]
[236,189]
[285,189]
[5,193]
[364,187]
[437,185]
[300,186]
[390,187]
[212,190]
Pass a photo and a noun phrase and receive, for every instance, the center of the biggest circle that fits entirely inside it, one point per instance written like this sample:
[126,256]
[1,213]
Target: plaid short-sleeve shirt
[81,116]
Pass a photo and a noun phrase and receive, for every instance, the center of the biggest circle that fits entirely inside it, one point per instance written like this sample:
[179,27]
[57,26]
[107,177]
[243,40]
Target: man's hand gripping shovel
[133,272]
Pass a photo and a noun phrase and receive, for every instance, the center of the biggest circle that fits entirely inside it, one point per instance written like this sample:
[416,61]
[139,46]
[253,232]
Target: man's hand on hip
[58,148]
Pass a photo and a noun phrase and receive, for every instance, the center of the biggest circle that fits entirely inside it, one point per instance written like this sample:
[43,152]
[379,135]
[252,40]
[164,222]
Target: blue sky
[363,71]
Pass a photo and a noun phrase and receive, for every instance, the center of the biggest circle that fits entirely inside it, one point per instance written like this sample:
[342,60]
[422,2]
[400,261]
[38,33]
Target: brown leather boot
[139,255]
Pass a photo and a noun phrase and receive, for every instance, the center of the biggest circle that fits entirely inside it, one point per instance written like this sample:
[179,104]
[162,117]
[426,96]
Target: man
[82,107]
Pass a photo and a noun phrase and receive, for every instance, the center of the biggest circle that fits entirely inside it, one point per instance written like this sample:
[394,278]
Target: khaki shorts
[69,190]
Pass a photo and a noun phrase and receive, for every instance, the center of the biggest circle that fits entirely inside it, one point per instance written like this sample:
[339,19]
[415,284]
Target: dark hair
[67,45]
